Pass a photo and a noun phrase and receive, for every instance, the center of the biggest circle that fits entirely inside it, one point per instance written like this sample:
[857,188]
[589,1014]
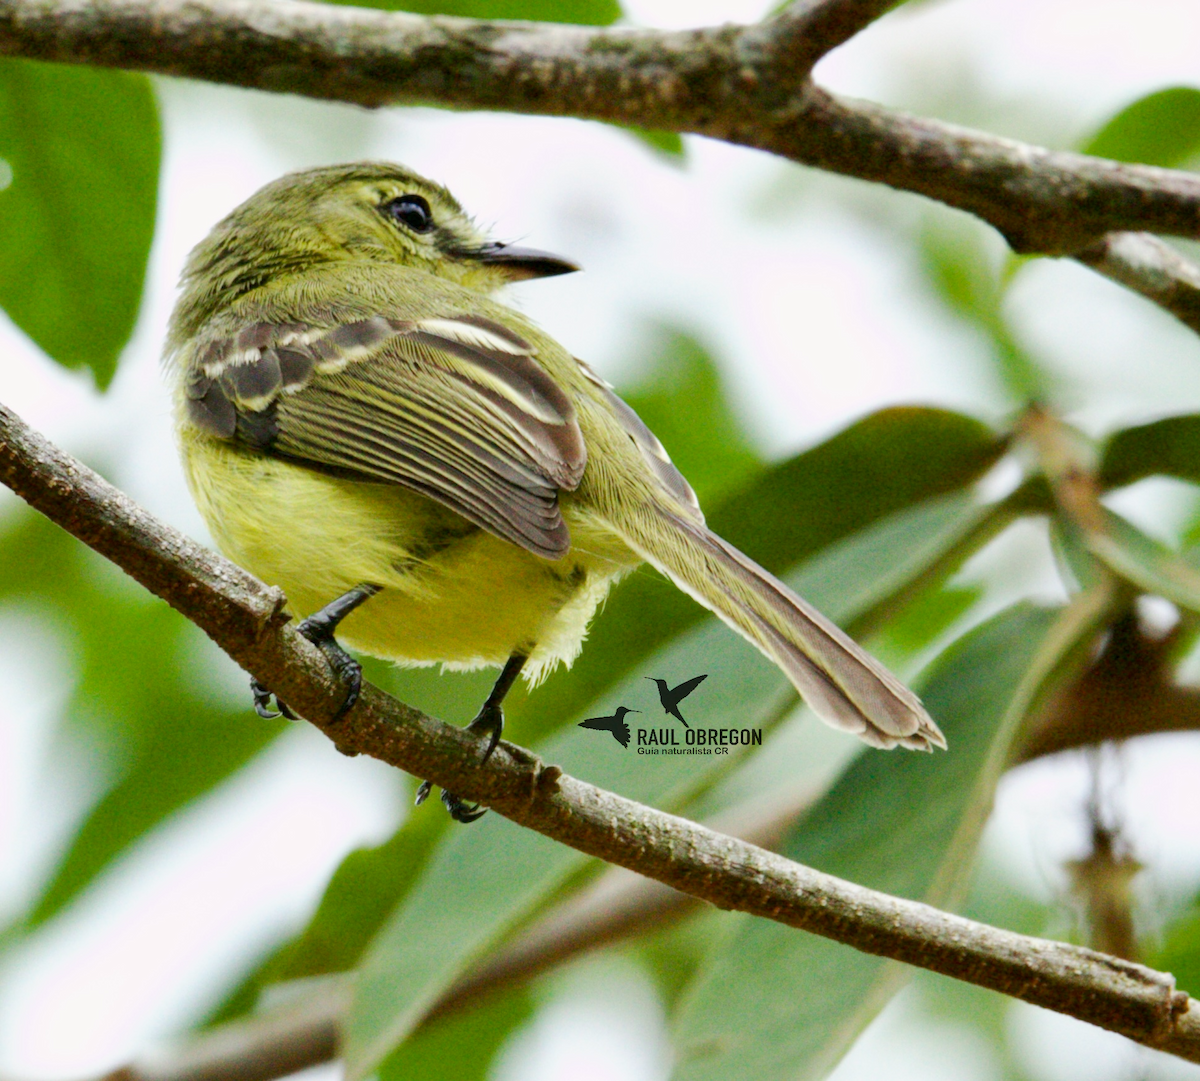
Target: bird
[431,478]
[614,724]
[670,698]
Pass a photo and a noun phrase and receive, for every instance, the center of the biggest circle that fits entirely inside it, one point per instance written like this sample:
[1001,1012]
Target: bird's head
[363,211]
[622,710]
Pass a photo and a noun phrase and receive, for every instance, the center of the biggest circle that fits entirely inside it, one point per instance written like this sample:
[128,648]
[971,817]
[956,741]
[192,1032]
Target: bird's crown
[364,211]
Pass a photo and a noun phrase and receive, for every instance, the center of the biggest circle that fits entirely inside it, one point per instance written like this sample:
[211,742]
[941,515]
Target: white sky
[816,316]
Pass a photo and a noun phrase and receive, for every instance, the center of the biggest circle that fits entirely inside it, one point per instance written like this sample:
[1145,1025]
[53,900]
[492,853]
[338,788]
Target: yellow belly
[452,593]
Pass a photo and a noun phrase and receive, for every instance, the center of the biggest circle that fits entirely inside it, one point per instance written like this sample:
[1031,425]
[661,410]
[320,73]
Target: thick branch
[730,874]
[746,85]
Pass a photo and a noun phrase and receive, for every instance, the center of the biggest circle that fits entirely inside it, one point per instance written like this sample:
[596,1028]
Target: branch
[792,41]
[619,905]
[304,1031]
[1127,691]
[245,619]
[1148,266]
[274,1044]
[746,85]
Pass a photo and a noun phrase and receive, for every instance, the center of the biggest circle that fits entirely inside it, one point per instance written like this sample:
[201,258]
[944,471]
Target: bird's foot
[460,810]
[345,668]
[262,703]
[318,629]
[489,720]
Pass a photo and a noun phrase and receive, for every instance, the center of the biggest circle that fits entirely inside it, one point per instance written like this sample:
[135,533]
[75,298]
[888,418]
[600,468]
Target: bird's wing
[456,408]
[685,688]
[653,453]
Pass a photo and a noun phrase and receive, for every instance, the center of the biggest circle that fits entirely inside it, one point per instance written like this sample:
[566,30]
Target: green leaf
[141,702]
[76,222]
[362,893]
[460,1047]
[704,438]
[964,278]
[1144,562]
[484,882]
[582,12]
[193,752]
[1169,448]
[780,1003]
[1179,953]
[667,143]
[1162,128]
[883,463]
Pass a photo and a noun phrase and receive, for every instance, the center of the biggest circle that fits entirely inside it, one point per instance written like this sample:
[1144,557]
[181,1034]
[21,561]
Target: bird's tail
[843,685]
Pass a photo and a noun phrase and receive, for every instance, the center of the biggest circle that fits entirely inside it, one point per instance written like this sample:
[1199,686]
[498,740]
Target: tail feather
[845,686]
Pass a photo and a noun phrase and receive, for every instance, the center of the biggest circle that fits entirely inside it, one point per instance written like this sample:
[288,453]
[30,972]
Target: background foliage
[874,523]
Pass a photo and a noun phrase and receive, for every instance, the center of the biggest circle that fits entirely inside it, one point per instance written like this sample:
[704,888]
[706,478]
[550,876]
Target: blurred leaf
[1162,128]
[583,12]
[485,881]
[881,464]
[193,751]
[372,881]
[929,617]
[77,220]
[463,1046]
[780,1003]
[1169,447]
[957,265]
[1179,953]
[362,893]
[1144,562]
[1077,565]
[682,400]
[140,701]
[675,953]
[667,143]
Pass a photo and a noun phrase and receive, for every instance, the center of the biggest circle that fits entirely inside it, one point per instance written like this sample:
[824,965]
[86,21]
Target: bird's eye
[412,211]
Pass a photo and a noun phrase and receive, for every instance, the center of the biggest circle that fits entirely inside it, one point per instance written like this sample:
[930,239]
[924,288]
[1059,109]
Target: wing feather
[457,408]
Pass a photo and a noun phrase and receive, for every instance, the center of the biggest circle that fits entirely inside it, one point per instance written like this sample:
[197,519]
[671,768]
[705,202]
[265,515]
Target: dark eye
[412,211]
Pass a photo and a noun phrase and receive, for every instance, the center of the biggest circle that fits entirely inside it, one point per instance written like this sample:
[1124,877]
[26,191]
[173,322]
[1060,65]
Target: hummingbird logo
[670,697]
[614,724]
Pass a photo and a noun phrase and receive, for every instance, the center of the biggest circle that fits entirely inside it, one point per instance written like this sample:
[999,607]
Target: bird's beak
[521,264]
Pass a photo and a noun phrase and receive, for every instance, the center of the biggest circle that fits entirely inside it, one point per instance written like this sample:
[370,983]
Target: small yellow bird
[421,469]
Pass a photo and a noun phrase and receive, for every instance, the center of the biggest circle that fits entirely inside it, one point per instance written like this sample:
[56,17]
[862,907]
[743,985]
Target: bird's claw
[262,703]
[345,668]
[460,810]
[491,721]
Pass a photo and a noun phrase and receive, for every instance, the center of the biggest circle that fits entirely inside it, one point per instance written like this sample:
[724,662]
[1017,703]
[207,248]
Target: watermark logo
[666,741]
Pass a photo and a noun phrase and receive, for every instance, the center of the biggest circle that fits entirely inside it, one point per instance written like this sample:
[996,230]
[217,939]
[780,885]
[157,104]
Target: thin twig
[740,84]
[275,1043]
[725,872]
